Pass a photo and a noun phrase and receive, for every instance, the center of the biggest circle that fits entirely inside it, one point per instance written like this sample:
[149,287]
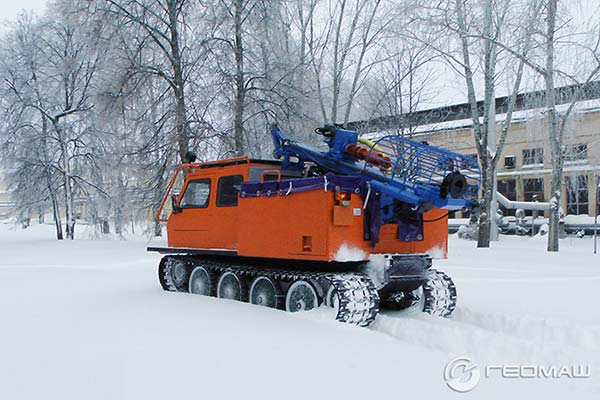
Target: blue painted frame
[415,174]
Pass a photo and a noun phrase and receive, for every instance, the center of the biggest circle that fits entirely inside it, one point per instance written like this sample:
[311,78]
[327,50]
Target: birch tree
[256,65]
[544,63]
[159,24]
[54,76]
[401,83]
[25,138]
[557,124]
[489,151]
[341,52]
[470,33]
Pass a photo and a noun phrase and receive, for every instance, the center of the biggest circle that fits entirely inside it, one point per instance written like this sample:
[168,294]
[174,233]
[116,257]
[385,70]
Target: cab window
[228,189]
[196,194]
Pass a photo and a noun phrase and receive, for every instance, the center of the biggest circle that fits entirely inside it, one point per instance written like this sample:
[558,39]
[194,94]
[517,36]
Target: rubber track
[164,274]
[358,297]
[440,294]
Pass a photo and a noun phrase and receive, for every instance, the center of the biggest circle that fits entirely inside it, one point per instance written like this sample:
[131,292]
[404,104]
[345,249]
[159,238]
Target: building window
[577,195]
[196,194]
[575,152]
[509,162]
[228,189]
[533,156]
[508,188]
[533,190]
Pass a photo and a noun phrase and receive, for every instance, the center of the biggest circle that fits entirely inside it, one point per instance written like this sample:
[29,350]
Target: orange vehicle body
[313,225]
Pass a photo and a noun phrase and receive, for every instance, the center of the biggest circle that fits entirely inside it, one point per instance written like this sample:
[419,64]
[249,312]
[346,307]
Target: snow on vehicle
[354,227]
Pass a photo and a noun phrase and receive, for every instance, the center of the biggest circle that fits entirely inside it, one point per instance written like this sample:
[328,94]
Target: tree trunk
[67,184]
[119,206]
[358,72]
[555,139]
[300,84]
[488,132]
[480,131]
[181,123]
[240,90]
[157,196]
[157,229]
[56,215]
[51,189]
[119,221]
[483,227]
[337,63]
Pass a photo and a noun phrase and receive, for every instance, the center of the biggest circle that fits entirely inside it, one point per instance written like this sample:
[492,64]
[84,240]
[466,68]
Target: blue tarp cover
[286,187]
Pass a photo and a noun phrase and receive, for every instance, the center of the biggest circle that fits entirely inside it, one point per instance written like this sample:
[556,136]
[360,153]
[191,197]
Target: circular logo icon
[460,375]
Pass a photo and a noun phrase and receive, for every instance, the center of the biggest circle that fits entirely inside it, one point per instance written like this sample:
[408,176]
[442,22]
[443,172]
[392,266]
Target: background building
[524,169]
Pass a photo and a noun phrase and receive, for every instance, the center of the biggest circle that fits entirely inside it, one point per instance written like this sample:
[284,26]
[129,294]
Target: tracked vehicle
[353,227]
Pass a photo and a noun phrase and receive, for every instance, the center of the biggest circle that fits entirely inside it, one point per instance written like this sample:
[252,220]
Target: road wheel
[301,296]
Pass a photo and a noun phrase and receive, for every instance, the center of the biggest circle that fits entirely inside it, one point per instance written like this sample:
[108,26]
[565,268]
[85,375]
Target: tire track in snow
[583,278]
[544,330]
[494,338]
[83,267]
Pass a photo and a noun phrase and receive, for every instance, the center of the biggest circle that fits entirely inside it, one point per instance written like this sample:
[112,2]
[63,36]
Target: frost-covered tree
[342,43]
[256,69]
[550,56]
[50,76]
[557,123]
[160,39]
[468,35]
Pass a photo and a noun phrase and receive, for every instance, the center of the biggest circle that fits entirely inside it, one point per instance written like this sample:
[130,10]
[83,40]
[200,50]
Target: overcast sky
[9,9]
[449,86]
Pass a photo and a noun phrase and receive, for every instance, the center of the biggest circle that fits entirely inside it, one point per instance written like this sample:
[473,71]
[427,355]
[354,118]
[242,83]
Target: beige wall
[584,128]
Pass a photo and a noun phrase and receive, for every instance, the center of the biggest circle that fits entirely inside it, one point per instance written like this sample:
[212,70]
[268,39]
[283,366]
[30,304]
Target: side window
[196,194]
[228,189]
[533,156]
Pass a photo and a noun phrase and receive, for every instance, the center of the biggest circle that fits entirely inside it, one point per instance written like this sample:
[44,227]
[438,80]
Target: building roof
[462,112]
[580,107]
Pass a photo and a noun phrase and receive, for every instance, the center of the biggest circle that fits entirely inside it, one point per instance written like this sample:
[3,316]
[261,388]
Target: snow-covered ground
[88,320]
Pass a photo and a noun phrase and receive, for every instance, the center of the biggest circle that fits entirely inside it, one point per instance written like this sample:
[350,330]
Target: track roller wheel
[301,296]
[201,282]
[263,292]
[229,286]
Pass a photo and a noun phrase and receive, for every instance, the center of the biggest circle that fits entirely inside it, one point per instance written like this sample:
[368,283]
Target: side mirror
[174,205]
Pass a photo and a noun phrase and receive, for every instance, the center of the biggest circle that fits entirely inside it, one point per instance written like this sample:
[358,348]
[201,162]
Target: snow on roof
[581,107]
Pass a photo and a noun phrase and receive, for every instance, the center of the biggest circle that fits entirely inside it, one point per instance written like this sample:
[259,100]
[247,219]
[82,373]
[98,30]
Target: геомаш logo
[462,375]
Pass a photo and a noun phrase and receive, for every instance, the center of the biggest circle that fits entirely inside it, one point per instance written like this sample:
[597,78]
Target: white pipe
[525,205]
